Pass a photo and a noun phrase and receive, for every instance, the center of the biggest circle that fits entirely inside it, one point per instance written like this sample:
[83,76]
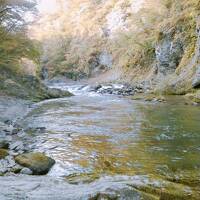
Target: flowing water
[92,135]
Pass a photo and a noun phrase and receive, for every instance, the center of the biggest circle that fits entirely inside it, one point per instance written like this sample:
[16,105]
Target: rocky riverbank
[16,154]
[27,87]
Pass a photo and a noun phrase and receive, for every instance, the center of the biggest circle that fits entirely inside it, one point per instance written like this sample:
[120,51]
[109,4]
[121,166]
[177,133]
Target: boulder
[38,163]
[56,93]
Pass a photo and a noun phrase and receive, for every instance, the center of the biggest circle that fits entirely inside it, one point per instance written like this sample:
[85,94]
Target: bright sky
[47,6]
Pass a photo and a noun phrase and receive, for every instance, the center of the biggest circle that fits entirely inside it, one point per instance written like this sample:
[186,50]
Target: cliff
[155,43]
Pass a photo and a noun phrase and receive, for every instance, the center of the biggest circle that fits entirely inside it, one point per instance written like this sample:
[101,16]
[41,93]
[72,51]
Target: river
[108,142]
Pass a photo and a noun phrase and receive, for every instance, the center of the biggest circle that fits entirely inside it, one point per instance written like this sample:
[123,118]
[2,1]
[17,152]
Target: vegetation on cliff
[142,40]
[155,42]
[19,55]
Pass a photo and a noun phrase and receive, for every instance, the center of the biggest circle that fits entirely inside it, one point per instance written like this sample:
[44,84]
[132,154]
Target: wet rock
[8,129]
[37,162]
[97,87]
[6,164]
[35,129]
[4,144]
[194,97]
[11,162]
[8,122]
[18,145]
[169,51]
[116,89]
[16,130]
[3,153]
[16,169]
[26,171]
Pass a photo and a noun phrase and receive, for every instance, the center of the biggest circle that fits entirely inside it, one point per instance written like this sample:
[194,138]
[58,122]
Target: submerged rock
[37,162]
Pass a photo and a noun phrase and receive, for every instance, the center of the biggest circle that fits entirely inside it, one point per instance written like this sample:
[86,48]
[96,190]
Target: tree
[12,13]
[14,43]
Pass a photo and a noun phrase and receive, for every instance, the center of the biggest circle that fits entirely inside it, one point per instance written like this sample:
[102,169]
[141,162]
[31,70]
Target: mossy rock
[194,97]
[39,163]
[3,153]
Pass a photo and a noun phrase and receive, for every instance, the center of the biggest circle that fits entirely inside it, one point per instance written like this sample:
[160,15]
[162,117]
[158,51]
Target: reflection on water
[113,135]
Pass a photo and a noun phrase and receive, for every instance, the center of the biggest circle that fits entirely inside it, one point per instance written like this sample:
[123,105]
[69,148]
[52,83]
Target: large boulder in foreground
[38,163]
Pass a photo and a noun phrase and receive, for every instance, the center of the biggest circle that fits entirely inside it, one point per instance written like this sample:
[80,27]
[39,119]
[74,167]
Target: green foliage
[14,44]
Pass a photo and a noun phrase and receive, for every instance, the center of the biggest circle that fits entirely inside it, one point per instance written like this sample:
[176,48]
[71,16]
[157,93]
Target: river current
[93,136]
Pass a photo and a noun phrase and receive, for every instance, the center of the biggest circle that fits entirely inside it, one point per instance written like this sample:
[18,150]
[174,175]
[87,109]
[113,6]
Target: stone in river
[38,163]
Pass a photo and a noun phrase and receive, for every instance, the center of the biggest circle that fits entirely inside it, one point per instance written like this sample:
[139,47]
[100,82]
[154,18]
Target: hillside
[125,40]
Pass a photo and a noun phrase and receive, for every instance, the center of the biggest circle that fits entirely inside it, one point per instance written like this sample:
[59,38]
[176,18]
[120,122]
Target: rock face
[38,163]
[169,52]
[196,80]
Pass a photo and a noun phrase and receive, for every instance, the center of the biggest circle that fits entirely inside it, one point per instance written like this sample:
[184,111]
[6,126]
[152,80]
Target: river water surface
[92,135]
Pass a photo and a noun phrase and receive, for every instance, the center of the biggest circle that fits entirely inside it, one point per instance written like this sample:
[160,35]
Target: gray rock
[16,130]
[169,52]
[8,122]
[26,171]
[56,93]
[11,162]
[196,58]
[18,145]
[8,129]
